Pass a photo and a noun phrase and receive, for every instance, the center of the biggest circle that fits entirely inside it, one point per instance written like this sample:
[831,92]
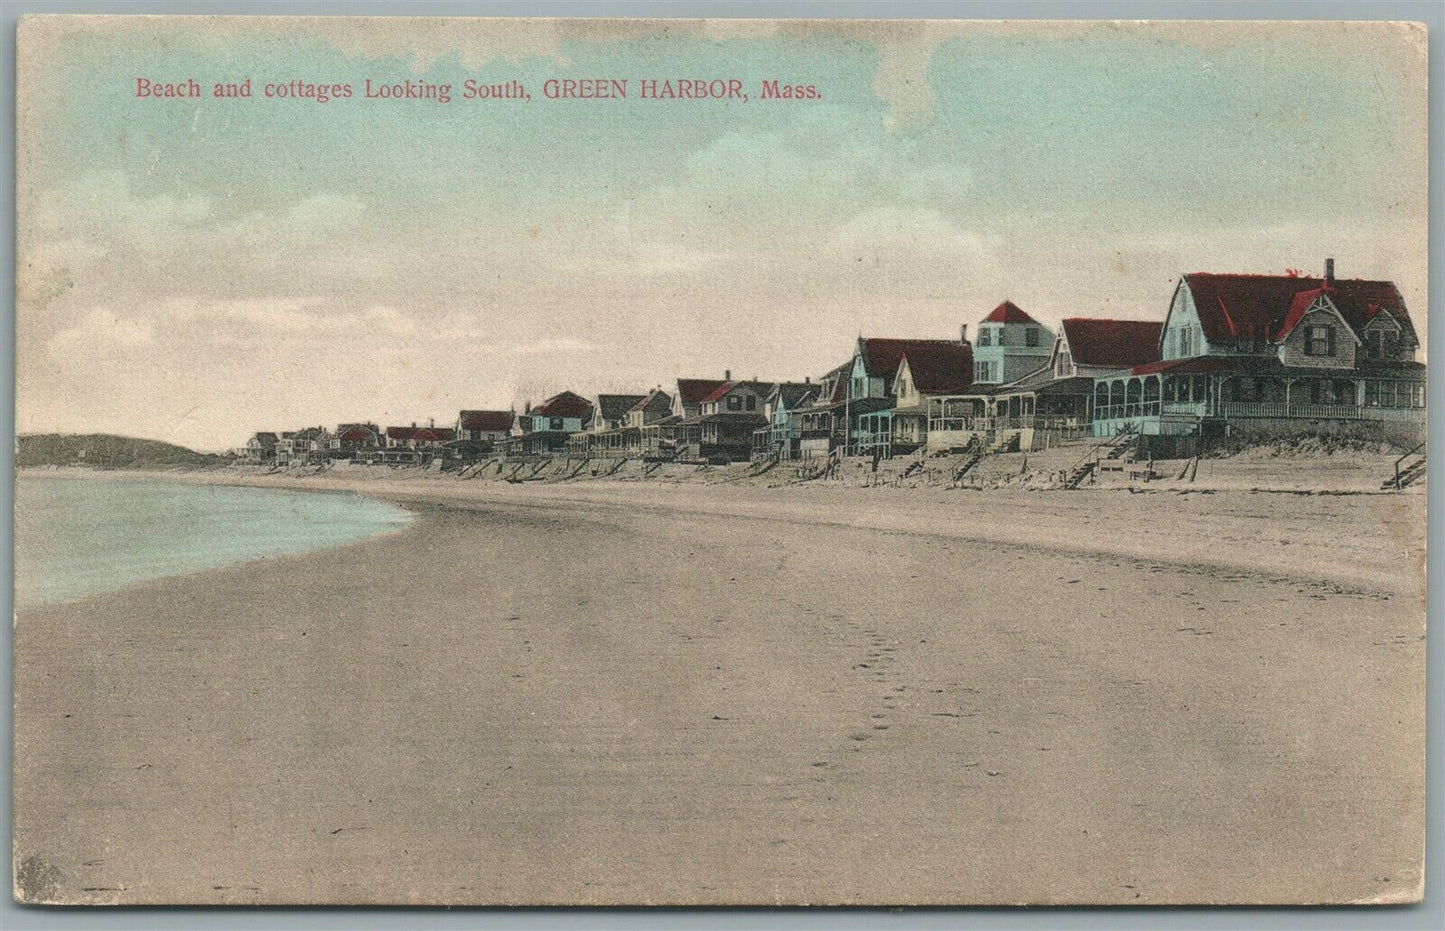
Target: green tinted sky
[194,270]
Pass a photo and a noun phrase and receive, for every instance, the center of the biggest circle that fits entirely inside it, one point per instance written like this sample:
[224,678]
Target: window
[1319,341]
[735,402]
[1417,394]
[1373,345]
[1061,365]
[752,403]
[557,423]
[1031,336]
[1372,394]
[985,336]
[1184,341]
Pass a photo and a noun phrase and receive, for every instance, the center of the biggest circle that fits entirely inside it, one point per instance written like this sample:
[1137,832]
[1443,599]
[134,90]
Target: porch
[1164,403]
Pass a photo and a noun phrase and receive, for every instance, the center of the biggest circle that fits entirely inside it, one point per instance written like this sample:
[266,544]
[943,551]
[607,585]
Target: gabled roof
[941,369]
[616,406]
[1233,305]
[266,437]
[356,435]
[693,390]
[763,388]
[487,421]
[793,394]
[566,404]
[656,400]
[1008,312]
[1115,344]
[881,356]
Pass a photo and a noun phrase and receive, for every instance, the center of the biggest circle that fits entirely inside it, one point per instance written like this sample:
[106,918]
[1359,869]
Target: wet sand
[651,694]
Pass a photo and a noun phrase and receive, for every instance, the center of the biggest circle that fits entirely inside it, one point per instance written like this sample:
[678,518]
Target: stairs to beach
[1111,455]
[1409,469]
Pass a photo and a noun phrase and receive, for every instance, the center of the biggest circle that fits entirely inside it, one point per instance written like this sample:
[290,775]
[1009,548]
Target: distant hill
[104,450]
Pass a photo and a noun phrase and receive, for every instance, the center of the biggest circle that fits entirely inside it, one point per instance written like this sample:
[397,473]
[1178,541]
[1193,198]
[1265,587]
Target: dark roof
[794,393]
[693,390]
[1234,305]
[265,436]
[656,399]
[1197,365]
[733,417]
[616,406]
[1116,344]
[487,421]
[424,434]
[946,368]
[1008,312]
[881,356]
[566,404]
[763,388]
[356,434]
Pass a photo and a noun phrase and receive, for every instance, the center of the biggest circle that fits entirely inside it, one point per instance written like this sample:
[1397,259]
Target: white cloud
[99,334]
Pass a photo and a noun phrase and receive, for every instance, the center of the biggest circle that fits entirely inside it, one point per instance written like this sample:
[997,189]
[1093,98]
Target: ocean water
[77,536]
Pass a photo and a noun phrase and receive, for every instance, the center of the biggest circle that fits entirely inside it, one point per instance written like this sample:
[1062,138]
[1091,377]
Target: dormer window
[985,336]
[1319,340]
[1031,337]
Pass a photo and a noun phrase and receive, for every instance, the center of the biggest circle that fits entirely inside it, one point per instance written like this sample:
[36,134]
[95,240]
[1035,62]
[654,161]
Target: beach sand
[632,693]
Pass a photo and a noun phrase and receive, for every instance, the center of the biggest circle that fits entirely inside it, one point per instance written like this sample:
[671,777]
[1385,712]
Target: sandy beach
[651,693]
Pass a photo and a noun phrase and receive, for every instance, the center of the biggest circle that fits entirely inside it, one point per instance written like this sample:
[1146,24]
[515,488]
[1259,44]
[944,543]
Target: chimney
[1329,271]
[963,334]
[727,374]
[413,424]
[807,379]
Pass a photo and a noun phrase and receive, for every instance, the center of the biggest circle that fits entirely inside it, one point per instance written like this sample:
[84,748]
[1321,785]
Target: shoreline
[999,516]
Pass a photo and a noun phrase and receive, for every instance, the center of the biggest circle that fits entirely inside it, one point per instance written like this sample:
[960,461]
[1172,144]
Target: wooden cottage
[871,391]
[544,430]
[1010,345]
[1272,354]
[729,416]
[781,434]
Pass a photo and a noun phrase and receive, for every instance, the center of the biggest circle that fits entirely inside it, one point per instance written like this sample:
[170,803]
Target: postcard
[719,462]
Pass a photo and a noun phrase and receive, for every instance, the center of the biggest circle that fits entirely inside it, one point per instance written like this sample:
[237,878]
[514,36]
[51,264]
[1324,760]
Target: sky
[197,270]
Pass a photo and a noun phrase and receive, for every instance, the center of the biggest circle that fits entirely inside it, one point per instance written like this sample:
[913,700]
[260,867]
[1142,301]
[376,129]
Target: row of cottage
[1235,353]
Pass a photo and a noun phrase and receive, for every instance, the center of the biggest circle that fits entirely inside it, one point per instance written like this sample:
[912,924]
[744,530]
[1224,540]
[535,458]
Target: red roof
[1115,344]
[718,393]
[694,390]
[355,435]
[945,369]
[487,421]
[881,356]
[1196,365]
[566,404]
[1233,305]
[422,434]
[1009,312]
